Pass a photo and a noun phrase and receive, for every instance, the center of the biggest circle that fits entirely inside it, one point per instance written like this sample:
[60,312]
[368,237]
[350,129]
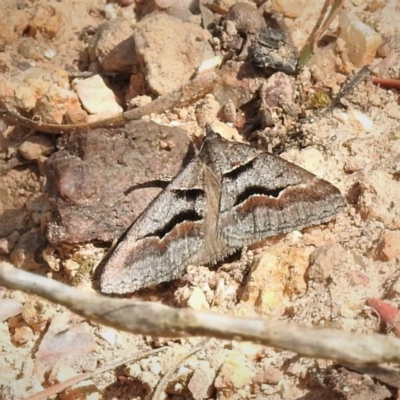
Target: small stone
[197,300]
[388,247]
[245,18]
[29,49]
[378,198]
[324,260]
[57,101]
[109,335]
[9,308]
[360,121]
[61,373]
[272,375]
[289,8]
[354,165]
[273,282]
[46,20]
[96,97]
[23,254]
[85,390]
[113,46]
[201,382]
[207,110]
[35,147]
[155,368]
[235,373]
[389,46]
[22,335]
[226,131]
[8,244]
[50,54]
[357,278]
[148,378]
[76,116]
[169,64]
[139,101]
[251,350]
[361,40]
[37,313]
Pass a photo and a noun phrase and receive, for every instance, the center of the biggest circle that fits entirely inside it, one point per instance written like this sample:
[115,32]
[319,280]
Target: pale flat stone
[96,97]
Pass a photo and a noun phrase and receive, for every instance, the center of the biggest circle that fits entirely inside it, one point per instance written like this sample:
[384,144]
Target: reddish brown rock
[168,64]
[201,383]
[35,147]
[108,173]
[113,46]
[388,247]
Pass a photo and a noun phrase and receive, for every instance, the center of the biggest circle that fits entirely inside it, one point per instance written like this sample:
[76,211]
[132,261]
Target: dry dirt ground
[323,275]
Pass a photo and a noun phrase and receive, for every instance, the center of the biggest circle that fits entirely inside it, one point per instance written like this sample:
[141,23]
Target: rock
[222,6]
[76,116]
[324,260]
[197,300]
[37,313]
[389,46]
[63,345]
[85,390]
[201,383]
[29,49]
[270,289]
[47,20]
[9,308]
[235,373]
[357,278]
[109,335]
[226,131]
[7,244]
[169,63]
[22,335]
[388,247]
[245,18]
[378,198]
[82,190]
[96,97]
[207,110]
[113,46]
[35,147]
[234,85]
[361,40]
[56,102]
[25,252]
[289,8]
[23,90]
[272,375]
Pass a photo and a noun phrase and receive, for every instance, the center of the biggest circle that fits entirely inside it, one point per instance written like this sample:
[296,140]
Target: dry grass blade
[163,382]
[158,320]
[321,26]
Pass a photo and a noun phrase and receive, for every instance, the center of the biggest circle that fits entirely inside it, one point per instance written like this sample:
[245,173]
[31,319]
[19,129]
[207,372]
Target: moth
[228,196]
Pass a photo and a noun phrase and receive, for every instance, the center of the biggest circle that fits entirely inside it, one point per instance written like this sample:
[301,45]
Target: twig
[159,320]
[387,83]
[163,382]
[60,387]
[189,93]
[348,86]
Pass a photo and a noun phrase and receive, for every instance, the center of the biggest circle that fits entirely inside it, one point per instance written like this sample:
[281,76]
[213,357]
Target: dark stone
[100,181]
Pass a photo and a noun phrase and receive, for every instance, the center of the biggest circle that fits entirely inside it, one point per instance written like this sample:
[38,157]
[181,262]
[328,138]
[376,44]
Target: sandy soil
[323,275]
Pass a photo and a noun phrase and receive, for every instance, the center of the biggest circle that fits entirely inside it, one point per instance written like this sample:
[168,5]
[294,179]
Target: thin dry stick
[159,320]
[60,387]
[189,93]
[163,382]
